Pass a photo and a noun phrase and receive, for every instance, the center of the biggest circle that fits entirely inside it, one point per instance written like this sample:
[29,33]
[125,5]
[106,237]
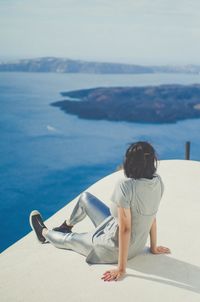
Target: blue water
[48,157]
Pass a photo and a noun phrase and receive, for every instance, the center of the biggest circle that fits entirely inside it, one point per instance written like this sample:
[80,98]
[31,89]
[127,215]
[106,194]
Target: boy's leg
[91,206]
[78,242]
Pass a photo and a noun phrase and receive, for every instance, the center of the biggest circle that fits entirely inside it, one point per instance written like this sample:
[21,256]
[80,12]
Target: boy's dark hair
[140,161]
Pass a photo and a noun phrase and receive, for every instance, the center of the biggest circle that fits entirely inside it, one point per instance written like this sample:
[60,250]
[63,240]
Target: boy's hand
[114,274]
[160,250]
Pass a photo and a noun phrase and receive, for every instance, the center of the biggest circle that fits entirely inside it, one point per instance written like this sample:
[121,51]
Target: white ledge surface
[31,272]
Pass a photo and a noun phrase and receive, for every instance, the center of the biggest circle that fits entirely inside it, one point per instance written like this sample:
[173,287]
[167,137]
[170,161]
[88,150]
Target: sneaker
[64,228]
[37,225]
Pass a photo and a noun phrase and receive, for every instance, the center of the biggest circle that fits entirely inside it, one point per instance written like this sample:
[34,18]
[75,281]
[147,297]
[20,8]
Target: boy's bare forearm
[153,235]
[153,241]
[124,240]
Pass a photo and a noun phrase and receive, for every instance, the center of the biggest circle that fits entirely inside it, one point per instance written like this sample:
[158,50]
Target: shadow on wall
[179,273]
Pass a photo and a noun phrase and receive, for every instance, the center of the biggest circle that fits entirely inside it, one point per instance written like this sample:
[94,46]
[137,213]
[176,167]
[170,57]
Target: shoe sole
[33,213]
[64,232]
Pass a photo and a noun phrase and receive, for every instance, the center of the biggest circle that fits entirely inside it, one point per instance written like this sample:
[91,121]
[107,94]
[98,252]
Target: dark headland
[149,104]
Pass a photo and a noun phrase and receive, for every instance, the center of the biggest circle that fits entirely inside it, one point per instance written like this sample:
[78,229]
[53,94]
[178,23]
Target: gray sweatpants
[87,205]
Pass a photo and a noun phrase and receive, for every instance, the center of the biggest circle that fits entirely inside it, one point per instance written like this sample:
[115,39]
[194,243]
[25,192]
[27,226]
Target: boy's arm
[153,241]
[124,236]
[153,236]
[124,220]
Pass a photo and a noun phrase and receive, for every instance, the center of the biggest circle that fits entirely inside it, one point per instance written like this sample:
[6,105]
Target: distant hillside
[71,66]
[61,65]
[151,104]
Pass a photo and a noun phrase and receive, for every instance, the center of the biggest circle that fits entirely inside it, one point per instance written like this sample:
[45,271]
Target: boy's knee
[85,198]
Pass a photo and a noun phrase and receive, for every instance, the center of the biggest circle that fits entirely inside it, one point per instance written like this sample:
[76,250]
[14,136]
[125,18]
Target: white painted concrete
[30,271]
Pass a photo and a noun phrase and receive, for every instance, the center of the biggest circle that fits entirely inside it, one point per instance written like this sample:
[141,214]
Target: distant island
[62,65]
[149,104]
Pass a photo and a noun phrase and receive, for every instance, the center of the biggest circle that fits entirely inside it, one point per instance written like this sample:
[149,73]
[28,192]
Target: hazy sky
[135,31]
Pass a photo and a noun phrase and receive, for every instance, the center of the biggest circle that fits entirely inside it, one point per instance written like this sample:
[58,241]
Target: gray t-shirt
[143,197]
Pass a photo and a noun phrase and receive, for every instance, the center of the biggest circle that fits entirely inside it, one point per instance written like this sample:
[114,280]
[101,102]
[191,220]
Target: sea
[48,157]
